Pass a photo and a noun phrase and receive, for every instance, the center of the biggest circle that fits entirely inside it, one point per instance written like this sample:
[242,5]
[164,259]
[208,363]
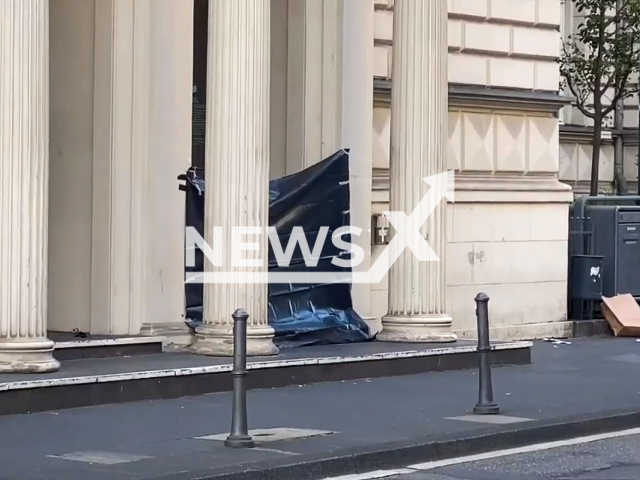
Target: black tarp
[300,314]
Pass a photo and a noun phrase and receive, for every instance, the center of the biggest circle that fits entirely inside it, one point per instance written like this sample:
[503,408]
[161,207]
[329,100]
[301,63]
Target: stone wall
[507,230]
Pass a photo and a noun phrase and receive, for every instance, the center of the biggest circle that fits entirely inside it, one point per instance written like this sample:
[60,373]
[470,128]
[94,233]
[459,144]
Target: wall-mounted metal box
[379,229]
[586,277]
[616,237]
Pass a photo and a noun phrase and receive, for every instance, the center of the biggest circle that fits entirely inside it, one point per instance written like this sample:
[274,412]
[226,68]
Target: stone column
[24,178]
[237,166]
[418,149]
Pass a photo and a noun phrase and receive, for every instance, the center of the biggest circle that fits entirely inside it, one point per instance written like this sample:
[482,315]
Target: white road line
[529,448]
[485,456]
[372,475]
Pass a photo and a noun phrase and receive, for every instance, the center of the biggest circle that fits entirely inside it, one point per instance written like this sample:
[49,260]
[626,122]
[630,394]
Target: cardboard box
[623,314]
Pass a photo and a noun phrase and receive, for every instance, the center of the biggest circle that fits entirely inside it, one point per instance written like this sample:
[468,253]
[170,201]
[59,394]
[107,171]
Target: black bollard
[239,436]
[485,405]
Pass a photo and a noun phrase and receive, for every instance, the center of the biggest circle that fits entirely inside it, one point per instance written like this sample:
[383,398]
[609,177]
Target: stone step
[85,348]
[97,381]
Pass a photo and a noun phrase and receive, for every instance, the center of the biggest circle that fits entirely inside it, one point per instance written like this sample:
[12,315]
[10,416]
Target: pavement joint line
[274,450]
[259,365]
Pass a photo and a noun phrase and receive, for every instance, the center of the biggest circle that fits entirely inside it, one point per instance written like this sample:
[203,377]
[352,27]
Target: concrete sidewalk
[590,386]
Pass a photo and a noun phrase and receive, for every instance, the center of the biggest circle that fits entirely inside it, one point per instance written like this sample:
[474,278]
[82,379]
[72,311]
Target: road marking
[536,447]
[493,419]
[372,475]
[486,456]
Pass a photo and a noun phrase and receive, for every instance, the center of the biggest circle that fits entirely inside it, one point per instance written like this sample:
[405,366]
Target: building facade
[576,135]
[101,111]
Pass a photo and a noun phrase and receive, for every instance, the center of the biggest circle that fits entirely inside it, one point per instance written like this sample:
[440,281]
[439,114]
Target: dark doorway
[198,120]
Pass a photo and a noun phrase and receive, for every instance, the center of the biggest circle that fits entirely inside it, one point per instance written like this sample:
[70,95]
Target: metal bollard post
[485,405]
[239,436]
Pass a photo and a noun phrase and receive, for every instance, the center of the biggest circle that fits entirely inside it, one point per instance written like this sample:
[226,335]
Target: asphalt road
[611,459]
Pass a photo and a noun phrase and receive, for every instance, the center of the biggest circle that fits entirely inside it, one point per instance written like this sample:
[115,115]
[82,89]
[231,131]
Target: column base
[217,341]
[178,334]
[488,409]
[28,356]
[417,329]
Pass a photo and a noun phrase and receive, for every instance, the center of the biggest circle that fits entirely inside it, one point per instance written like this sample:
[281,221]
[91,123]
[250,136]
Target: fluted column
[418,149]
[237,166]
[24,169]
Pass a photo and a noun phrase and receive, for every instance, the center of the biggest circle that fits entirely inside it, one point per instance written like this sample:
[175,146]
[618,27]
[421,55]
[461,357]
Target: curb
[45,394]
[400,454]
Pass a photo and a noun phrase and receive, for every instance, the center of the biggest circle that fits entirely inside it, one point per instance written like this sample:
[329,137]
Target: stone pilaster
[169,150]
[237,166]
[120,166]
[24,177]
[357,135]
[419,139]
[314,70]
[142,142]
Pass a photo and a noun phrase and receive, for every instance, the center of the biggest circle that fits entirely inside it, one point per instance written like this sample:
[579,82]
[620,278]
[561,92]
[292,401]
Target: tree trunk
[619,178]
[597,141]
[618,157]
[618,169]
[597,104]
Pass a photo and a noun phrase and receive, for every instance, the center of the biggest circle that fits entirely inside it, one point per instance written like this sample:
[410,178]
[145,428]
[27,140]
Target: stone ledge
[485,97]
[503,21]
[96,382]
[471,188]
[419,352]
[584,135]
[77,349]
[582,187]
[562,329]
[476,18]
[591,328]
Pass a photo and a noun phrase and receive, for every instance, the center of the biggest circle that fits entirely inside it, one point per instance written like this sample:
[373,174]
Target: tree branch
[607,85]
[619,96]
[579,99]
[622,89]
